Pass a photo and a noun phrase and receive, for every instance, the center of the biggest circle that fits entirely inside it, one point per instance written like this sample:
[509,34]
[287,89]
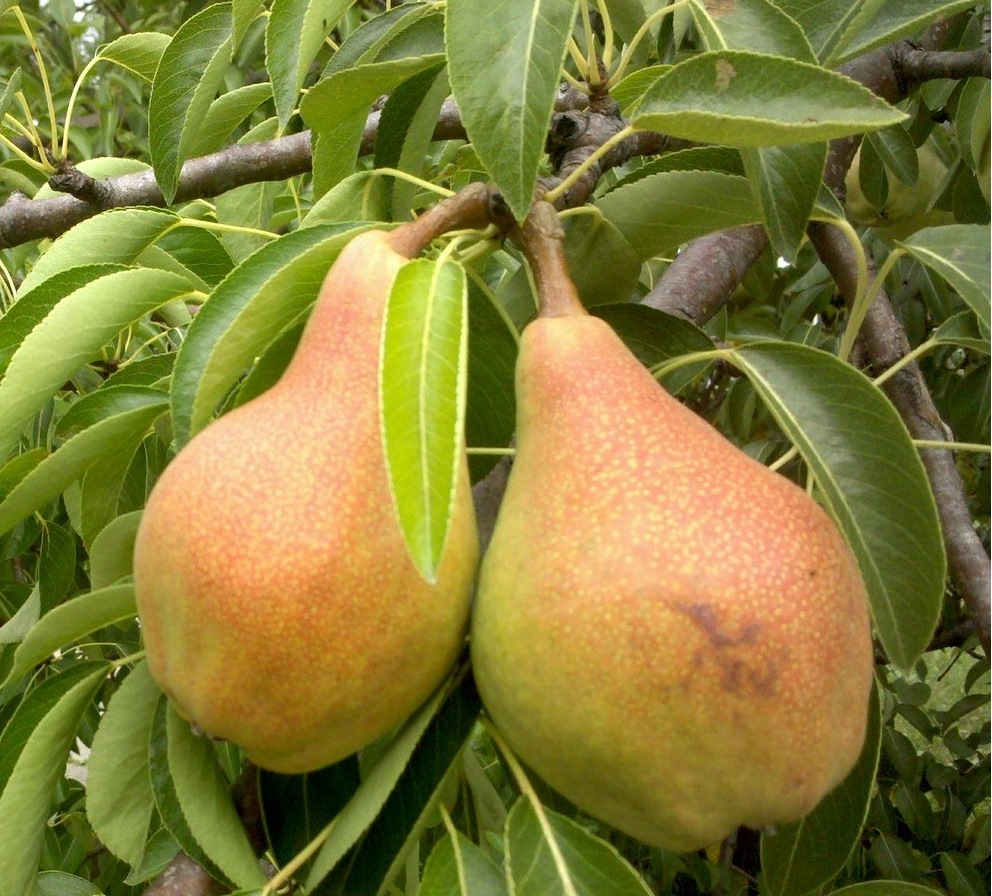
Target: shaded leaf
[119,799]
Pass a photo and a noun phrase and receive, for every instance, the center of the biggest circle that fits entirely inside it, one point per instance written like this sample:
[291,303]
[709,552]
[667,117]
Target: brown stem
[470,207]
[541,239]
[884,342]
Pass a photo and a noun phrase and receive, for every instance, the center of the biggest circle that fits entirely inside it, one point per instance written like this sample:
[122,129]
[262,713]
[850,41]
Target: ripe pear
[671,635]
[279,605]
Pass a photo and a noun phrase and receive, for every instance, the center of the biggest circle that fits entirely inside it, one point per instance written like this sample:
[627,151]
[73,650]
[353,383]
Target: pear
[671,635]
[279,605]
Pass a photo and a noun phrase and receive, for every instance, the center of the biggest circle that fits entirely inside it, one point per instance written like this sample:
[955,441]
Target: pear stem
[468,209]
[541,239]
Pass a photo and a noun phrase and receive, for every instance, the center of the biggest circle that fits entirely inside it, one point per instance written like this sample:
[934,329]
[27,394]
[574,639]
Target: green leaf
[44,728]
[294,34]
[405,132]
[108,439]
[803,856]
[337,107]
[422,392]
[656,337]
[56,574]
[10,90]
[412,806]
[367,802]
[246,311]
[224,115]
[884,888]
[119,799]
[58,883]
[825,22]
[871,480]
[739,98]
[296,808]
[244,14]
[457,866]
[504,63]
[117,236]
[164,790]
[204,795]
[105,402]
[186,81]
[757,25]
[111,553]
[878,24]
[139,52]
[659,213]
[71,622]
[785,181]
[960,254]
[591,865]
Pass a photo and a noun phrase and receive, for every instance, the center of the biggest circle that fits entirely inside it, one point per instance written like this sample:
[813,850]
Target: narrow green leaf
[960,254]
[205,797]
[412,805]
[57,568]
[422,390]
[878,24]
[504,63]
[70,462]
[71,335]
[117,237]
[458,866]
[337,107]
[119,799]
[15,629]
[406,130]
[294,33]
[785,181]
[25,803]
[224,115]
[164,790]
[70,622]
[739,98]
[871,479]
[803,856]
[139,52]
[244,13]
[107,401]
[246,311]
[10,91]
[186,81]
[594,866]
[659,213]
[365,805]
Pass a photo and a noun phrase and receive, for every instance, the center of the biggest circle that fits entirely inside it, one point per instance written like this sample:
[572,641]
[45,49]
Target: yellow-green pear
[907,208]
[670,634]
[279,604]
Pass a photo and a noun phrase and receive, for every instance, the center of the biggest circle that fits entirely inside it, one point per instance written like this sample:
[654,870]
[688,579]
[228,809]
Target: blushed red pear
[279,604]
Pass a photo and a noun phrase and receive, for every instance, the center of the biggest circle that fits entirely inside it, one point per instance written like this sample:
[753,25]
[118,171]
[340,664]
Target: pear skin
[671,635]
[279,604]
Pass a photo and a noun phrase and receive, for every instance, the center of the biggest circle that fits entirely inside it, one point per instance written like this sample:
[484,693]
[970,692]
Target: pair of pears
[671,635]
